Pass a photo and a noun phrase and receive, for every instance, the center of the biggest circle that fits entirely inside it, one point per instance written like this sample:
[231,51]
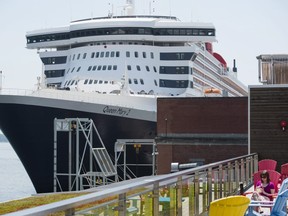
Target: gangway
[80,146]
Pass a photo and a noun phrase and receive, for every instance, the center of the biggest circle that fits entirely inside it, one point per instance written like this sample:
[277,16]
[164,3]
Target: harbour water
[14,180]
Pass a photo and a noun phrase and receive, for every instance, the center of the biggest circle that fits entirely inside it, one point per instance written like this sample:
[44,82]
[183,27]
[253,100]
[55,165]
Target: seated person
[264,189]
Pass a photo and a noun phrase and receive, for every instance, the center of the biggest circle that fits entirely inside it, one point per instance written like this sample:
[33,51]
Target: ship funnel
[130,7]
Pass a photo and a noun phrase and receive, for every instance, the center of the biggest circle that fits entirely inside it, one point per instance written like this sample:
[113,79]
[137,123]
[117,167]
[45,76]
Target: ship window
[102,54]
[86,81]
[112,54]
[104,67]
[136,54]
[89,68]
[176,31]
[99,67]
[144,54]
[147,68]
[78,69]
[127,54]
[65,83]
[105,82]
[107,55]
[94,67]
[95,81]
[84,55]
[90,81]
[135,81]
[155,82]
[182,32]
[114,67]
[152,55]
[138,67]
[189,32]
[92,54]
[154,68]
[73,57]
[72,69]
[68,83]
[68,70]
[78,57]
[117,54]
[109,67]
[97,54]
[129,81]
[191,70]
[100,81]
[141,81]
[129,67]
[72,82]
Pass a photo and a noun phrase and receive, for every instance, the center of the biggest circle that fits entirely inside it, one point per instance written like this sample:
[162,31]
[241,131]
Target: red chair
[267,164]
[284,171]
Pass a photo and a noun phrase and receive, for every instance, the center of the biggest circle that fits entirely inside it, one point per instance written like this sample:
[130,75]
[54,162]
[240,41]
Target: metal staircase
[81,145]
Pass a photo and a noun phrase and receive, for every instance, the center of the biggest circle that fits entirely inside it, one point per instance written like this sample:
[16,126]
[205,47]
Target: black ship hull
[28,124]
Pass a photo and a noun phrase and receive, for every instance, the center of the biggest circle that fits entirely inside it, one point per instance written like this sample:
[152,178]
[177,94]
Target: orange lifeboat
[212,90]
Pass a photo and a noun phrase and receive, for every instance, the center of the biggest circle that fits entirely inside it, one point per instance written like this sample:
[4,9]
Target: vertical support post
[237,175]
[122,204]
[197,193]
[255,163]
[55,157]
[155,197]
[70,156]
[191,197]
[242,176]
[248,179]
[153,158]
[179,196]
[221,181]
[209,185]
[229,178]
[77,155]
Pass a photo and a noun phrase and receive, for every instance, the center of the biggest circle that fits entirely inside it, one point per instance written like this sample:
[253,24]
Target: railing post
[221,181]
[155,198]
[229,179]
[242,176]
[247,170]
[197,193]
[255,163]
[237,175]
[209,185]
[179,196]
[69,212]
[122,204]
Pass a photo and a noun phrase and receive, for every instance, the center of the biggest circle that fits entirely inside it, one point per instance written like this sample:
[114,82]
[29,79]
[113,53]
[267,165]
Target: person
[264,189]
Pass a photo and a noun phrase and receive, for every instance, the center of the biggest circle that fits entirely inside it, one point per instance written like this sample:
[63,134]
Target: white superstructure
[139,55]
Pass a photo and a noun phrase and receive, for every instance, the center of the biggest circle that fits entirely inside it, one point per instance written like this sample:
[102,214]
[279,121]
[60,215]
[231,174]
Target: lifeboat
[212,90]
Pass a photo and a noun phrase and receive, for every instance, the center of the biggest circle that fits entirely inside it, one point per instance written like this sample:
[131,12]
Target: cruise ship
[111,70]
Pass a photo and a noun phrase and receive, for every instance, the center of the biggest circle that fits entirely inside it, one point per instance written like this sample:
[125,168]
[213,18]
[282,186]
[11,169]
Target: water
[14,180]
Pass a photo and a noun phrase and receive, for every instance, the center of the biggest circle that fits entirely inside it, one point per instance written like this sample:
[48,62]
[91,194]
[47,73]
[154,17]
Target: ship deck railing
[186,192]
[89,97]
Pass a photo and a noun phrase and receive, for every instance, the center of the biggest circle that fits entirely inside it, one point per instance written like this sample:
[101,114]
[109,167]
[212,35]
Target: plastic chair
[267,164]
[284,171]
[229,206]
[278,207]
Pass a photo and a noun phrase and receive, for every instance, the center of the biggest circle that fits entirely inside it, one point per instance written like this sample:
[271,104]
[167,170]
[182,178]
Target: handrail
[212,179]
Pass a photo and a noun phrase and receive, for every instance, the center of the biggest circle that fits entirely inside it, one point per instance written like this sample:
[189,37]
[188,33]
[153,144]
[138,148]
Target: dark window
[97,54]
[117,54]
[135,81]
[152,55]
[54,73]
[129,81]
[127,54]
[109,67]
[92,54]
[138,67]
[94,67]
[86,81]
[107,55]
[89,68]
[54,60]
[136,54]
[147,68]
[174,83]
[78,57]
[90,81]
[174,70]
[112,54]
[114,67]
[104,67]
[99,67]
[129,67]
[144,54]
[155,69]
[141,81]
[78,69]
[84,55]
[102,54]
[176,56]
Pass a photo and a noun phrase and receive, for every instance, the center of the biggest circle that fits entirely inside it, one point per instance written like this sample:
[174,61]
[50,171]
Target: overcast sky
[244,29]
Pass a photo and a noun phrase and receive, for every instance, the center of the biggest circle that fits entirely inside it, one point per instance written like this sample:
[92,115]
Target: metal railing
[187,192]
